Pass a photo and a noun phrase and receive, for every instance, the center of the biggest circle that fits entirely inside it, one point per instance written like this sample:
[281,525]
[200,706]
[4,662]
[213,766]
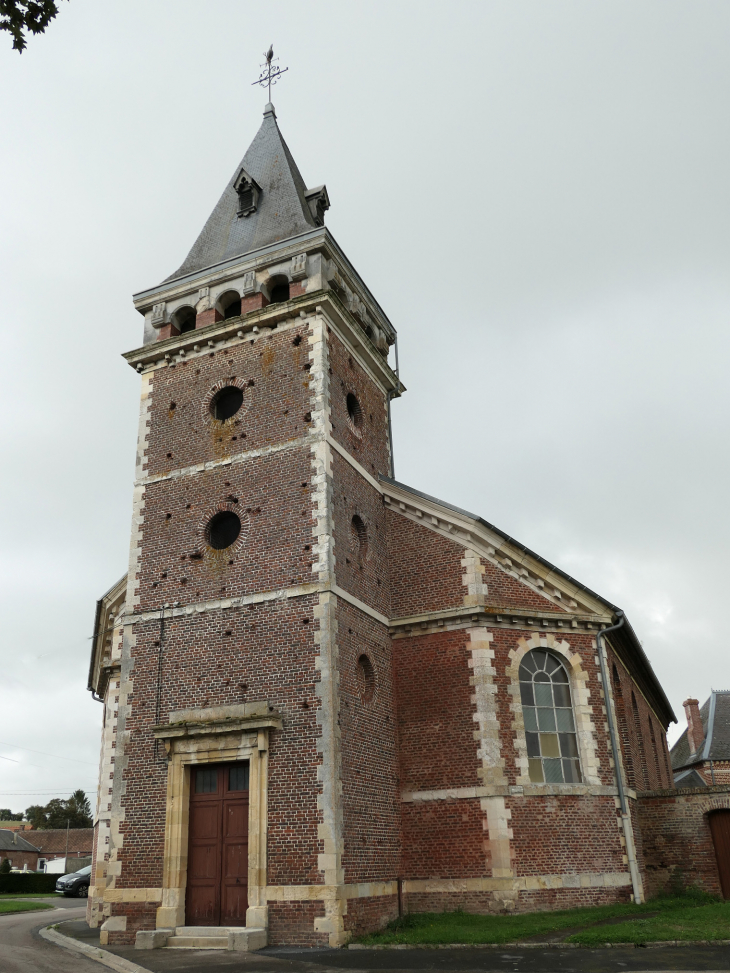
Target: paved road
[290,960]
[23,951]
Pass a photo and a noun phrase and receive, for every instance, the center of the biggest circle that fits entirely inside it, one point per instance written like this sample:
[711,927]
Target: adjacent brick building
[52,843]
[18,851]
[328,696]
[701,756]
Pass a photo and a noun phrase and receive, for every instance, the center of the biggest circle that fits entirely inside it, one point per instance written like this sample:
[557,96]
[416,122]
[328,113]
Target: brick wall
[370,791]
[362,570]
[643,738]
[543,900]
[506,591]
[19,859]
[270,494]
[444,839]
[426,573]
[368,443]
[435,724]
[564,834]
[677,843]
[217,658]
[272,372]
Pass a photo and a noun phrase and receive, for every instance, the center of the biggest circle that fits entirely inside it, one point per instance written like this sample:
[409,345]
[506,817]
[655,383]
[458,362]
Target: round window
[365,678]
[223,530]
[226,403]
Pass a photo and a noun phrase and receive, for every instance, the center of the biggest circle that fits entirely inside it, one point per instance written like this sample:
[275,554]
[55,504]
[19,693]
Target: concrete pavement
[23,951]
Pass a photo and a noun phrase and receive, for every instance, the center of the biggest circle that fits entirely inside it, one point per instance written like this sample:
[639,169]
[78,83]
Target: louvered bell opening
[245,200]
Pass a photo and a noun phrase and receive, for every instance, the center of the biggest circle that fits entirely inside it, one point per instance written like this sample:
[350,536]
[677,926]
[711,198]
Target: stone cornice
[508,790]
[711,791]
[318,240]
[465,530]
[494,617]
[237,717]
[171,731]
[257,324]
[170,289]
[109,614]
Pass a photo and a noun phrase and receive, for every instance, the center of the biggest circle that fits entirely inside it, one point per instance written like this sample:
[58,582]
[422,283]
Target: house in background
[71,849]
[19,852]
[701,756]
[16,826]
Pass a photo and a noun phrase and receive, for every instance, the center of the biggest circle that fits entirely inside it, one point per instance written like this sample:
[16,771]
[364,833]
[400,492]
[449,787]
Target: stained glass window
[552,746]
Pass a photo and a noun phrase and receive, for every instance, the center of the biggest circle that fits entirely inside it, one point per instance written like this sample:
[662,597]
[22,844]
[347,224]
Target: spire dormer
[248,193]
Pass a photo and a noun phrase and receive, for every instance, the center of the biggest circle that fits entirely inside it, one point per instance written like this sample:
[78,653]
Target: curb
[549,945]
[117,963]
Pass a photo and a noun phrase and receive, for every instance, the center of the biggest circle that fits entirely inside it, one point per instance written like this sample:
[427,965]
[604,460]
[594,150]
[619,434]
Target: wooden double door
[720,828]
[217,889]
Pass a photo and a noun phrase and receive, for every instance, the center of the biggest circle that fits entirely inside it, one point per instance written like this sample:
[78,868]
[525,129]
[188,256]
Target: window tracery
[547,707]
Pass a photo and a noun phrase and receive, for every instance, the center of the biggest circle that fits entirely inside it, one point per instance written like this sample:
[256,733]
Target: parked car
[75,883]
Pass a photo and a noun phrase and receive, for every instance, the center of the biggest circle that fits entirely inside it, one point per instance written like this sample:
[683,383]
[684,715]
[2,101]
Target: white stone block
[152,938]
[246,940]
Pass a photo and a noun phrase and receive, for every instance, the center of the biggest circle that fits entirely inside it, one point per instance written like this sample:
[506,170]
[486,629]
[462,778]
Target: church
[328,697]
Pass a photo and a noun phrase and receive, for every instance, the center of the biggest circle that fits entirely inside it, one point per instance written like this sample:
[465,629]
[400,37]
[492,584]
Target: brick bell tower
[249,760]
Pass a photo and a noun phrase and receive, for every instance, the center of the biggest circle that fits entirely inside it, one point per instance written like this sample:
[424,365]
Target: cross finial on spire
[270,74]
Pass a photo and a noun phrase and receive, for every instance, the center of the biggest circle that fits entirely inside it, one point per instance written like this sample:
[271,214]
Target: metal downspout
[636,882]
[390,441]
[390,424]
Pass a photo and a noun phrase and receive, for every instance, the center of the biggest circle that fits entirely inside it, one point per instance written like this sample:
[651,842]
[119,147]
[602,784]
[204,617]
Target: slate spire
[264,202]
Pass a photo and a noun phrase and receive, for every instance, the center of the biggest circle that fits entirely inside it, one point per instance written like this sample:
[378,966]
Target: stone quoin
[327,696]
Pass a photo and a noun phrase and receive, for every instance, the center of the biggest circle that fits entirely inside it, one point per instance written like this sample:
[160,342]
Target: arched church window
[552,745]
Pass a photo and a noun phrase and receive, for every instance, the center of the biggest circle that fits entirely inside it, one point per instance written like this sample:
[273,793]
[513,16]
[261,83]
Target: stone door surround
[217,734]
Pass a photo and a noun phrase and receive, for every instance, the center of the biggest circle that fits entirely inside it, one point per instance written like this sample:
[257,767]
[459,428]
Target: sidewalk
[279,959]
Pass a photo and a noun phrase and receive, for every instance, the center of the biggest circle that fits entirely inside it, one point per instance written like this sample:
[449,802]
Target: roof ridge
[277,210]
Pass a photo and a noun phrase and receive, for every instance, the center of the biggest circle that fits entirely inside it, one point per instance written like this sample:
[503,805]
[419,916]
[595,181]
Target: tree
[36,816]
[4,866]
[17,16]
[7,815]
[79,803]
[75,812]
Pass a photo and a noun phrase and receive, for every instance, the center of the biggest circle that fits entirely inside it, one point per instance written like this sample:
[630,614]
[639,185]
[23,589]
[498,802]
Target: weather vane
[270,75]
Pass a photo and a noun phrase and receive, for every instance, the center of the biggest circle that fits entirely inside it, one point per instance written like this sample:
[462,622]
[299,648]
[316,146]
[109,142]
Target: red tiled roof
[53,842]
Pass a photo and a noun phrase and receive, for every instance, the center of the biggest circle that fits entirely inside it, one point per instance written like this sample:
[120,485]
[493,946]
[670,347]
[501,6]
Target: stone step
[198,942]
[244,939]
[206,930]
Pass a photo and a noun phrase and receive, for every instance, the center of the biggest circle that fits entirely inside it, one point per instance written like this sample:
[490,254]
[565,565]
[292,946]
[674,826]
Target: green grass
[19,906]
[689,916]
[708,922]
[29,895]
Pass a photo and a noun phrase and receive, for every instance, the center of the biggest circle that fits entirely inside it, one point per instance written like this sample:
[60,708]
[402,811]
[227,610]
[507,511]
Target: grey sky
[537,194]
